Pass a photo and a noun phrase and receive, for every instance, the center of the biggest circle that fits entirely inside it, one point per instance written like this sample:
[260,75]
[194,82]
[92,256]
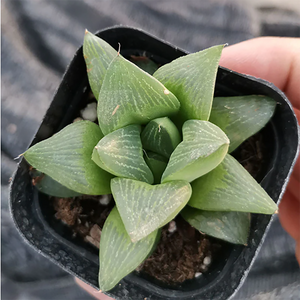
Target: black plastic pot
[35,220]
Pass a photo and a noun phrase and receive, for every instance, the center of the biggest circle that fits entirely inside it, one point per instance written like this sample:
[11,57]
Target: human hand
[278,61]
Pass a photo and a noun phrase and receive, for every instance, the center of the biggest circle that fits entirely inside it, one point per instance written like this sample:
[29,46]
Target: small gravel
[207,261]
[105,200]
[89,112]
[172,226]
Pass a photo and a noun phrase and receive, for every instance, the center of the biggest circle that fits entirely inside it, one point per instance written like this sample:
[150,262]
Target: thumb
[274,59]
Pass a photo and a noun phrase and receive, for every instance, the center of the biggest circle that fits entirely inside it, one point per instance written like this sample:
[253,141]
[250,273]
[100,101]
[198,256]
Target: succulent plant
[162,149]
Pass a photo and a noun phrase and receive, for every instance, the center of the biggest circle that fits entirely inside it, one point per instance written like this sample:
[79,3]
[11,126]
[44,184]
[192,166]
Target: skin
[276,60]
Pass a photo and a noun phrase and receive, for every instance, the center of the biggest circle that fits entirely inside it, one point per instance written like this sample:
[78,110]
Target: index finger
[274,59]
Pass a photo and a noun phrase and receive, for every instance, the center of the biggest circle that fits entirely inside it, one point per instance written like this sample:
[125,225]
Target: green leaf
[161,136]
[120,153]
[46,185]
[66,157]
[131,96]
[191,79]
[118,255]
[232,227]
[157,165]
[204,146]
[144,207]
[98,55]
[229,187]
[242,116]
[144,63]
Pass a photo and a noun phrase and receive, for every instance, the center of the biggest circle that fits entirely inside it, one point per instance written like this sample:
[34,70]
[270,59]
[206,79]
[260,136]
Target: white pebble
[77,119]
[90,112]
[198,274]
[207,260]
[172,226]
[105,199]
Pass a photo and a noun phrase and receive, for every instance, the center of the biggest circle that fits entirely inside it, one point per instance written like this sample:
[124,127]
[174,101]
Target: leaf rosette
[161,148]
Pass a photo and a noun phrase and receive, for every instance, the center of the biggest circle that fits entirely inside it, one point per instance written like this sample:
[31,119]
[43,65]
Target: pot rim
[182,293]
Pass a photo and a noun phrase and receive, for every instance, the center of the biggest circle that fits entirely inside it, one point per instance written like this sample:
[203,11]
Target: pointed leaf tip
[242,116]
[232,227]
[119,256]
[66,157]
[191,79]
[47,185]
[229,187]
[138,96]
[98,54]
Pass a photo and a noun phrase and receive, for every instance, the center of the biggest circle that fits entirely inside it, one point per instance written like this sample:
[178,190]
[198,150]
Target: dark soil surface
[251,155]
[183,253]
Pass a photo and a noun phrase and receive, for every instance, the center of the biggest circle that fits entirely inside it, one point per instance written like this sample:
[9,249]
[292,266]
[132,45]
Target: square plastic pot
[34,216]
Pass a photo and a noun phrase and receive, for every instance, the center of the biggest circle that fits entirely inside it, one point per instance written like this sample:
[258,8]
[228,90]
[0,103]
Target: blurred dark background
[39,38]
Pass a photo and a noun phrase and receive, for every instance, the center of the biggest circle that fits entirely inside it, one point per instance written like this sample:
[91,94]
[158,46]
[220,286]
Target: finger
[293,187]
[298,251]
[95,293]
[289,212]
[274,59]
[296,171]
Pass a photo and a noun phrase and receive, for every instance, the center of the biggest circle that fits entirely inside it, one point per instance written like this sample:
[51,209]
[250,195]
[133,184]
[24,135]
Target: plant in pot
[161,147]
